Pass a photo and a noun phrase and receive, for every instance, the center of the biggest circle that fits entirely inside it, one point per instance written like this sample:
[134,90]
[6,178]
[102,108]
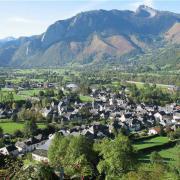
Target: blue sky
[25,18]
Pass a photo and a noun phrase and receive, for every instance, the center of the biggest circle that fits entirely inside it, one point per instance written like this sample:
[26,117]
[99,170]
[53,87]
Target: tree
[57,150]
[28,104]
[10,96]
[85,112]
[156,158]
[2,142]
[14,117]
[49,93]
[30,128]
[45,172]
[14,105]
[72,154]
[176,163]
[147,172]
[41,93]
[79,158]
[118,156]
[60,94]
[16,91]
[162,132]
[175,134]
[1,131]
[18,133]
[84,89]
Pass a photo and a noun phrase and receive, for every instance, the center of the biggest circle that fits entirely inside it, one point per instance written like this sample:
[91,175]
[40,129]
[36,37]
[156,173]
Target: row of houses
[22,147]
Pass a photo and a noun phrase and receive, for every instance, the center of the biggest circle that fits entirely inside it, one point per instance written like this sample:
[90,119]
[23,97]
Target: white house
[9,150]
[45,112]
[176,116]
[154,131]
[158,116]
[72,87]
[40,155]
[29,144]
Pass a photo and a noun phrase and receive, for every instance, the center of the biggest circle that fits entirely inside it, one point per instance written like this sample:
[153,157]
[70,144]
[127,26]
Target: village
[107,112]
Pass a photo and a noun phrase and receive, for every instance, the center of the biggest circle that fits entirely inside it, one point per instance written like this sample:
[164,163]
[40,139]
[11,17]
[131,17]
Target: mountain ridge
[94,37]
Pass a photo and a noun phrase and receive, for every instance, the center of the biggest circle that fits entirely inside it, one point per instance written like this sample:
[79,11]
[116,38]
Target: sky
[32,17]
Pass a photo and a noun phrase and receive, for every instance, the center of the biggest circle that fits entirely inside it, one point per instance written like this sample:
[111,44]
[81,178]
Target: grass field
[151,142]
[21,95]
[11,127]
[141,84]
[86,99]
[30,92]
[116,83]
[168,155]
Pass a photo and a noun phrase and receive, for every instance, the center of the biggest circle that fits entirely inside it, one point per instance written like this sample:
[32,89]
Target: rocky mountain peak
[146,11]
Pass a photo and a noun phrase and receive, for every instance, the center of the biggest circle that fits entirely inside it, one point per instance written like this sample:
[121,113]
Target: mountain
[94,37]
[7,39]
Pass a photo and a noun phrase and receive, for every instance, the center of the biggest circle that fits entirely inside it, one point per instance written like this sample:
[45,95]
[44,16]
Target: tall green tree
[1,131]
[73,154]
[118,156]
[45,172]
[30,128]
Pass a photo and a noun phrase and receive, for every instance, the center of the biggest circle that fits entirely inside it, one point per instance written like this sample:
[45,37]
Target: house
[40,155]
[96,128]
[175,127]
[173,88]
[159,115]
[9,150]
[116,125]
[100,135]
[176,116]
[125,116]
[46,112]
[150,108]
[9,85]
[87,133]
[166,120]
[105,114]
[46,85]
[155,130]
[30,144]
[133,124]
[62,106]
[3,114]
[72,87]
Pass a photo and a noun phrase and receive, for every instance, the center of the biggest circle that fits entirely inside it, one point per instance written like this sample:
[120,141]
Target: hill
[94,37]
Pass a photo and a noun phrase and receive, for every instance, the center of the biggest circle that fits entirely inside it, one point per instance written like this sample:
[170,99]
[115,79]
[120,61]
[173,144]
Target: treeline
[150,94]
[115,75]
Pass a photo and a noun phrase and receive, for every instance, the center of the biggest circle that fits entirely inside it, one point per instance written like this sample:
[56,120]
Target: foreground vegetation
[104,159]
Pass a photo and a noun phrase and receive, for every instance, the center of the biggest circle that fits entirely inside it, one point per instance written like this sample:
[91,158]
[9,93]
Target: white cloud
[136,4]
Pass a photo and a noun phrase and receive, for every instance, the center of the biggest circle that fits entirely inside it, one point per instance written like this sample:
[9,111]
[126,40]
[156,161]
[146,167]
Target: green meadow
[11,127]
[86,99]
[151,142]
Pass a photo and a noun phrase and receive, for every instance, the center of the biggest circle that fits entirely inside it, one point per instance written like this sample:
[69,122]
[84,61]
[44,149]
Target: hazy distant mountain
[94,37]
[7,39]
